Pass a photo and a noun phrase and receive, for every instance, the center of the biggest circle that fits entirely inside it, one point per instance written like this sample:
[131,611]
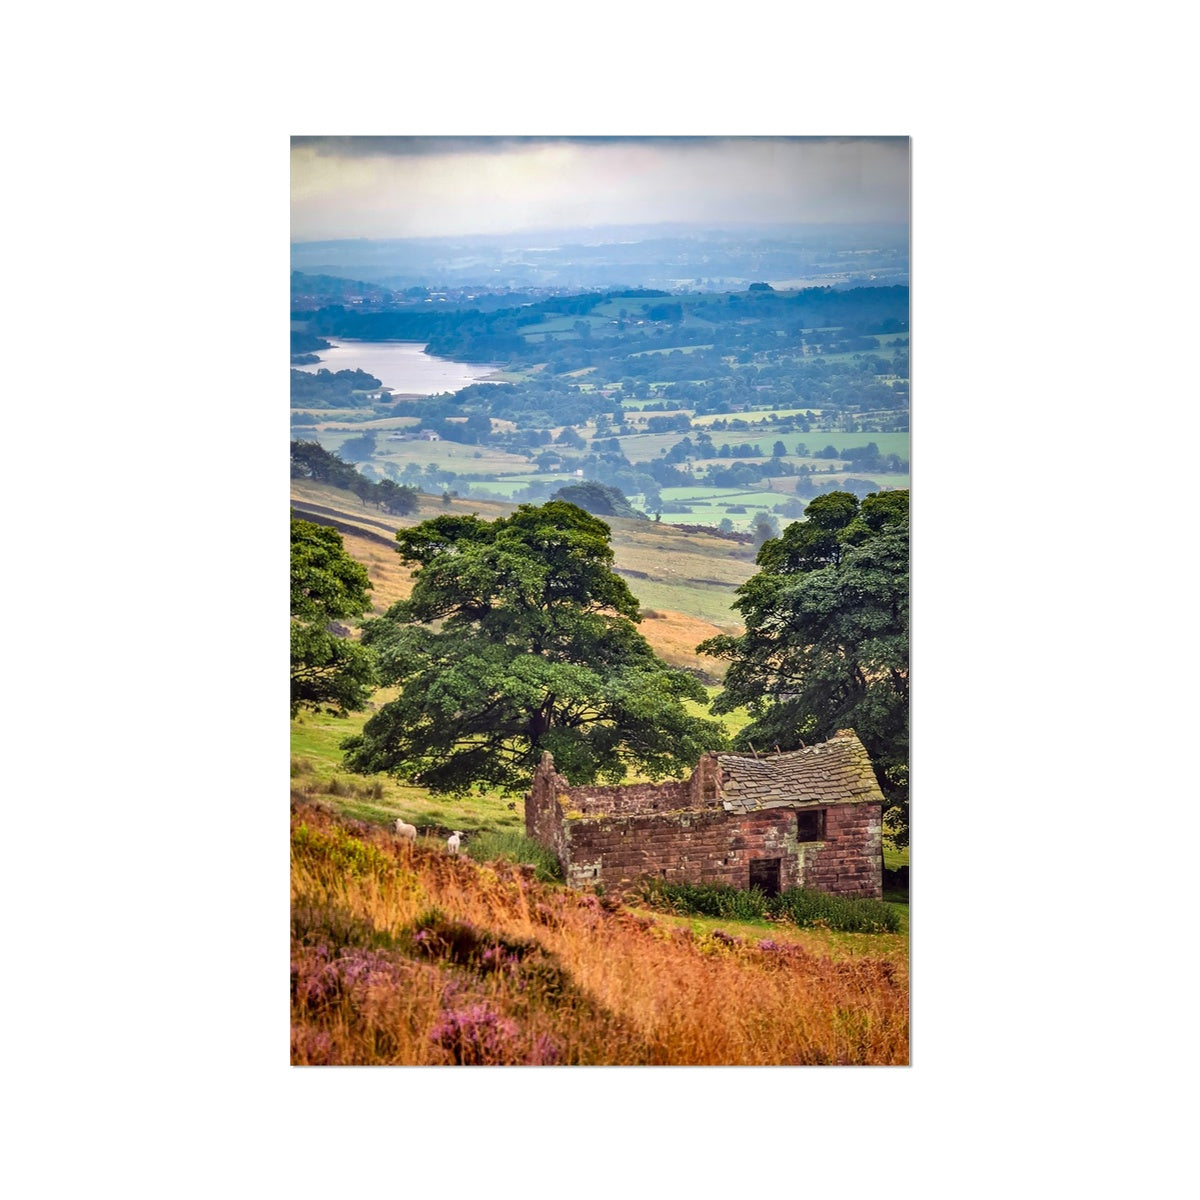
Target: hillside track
[330,517]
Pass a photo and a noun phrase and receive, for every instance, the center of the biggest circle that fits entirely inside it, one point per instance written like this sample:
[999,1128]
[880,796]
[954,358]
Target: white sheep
[454,841]
[405,831]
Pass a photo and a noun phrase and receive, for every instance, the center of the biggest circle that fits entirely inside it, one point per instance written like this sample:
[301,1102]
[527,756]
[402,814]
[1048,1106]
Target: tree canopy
[826,641]
[599,499]
[519,638]
[328,671]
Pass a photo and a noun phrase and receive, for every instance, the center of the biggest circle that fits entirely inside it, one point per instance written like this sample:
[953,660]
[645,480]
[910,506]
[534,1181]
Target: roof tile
[838,771]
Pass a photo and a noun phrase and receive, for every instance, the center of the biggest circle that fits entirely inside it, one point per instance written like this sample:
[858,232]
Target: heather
[405,955]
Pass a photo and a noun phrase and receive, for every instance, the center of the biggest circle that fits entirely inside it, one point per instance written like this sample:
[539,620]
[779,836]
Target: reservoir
[402,366]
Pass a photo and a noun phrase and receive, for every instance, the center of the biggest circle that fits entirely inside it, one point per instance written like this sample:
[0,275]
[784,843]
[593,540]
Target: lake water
[402,366]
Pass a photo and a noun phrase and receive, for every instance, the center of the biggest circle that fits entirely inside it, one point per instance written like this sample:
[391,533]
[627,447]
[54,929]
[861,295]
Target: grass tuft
[515,848]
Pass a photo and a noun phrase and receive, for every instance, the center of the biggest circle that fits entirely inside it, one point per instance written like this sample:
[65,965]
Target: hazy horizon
[405,188]
[664,228]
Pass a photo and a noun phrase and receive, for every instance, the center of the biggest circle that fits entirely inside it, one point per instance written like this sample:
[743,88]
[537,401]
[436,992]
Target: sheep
[407,832]
[454,841]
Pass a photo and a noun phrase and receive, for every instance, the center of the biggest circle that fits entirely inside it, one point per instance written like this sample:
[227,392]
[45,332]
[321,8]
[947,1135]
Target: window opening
[810,825]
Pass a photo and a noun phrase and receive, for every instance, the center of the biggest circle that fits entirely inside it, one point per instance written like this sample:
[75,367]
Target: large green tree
[329,671]
[518,638]
[826,641]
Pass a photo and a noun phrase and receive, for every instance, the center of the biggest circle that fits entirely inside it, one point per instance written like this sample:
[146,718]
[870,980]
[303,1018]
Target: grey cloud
[407,147]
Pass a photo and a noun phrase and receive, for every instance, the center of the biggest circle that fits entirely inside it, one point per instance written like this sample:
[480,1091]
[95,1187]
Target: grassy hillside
[318,775]
[406,955]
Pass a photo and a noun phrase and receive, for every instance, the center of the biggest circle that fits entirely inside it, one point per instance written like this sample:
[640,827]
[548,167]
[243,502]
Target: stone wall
[849,862]
[699,791]
[680,832]
[716,847]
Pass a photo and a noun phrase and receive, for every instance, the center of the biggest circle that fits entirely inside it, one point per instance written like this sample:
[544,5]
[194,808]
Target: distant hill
[667,256]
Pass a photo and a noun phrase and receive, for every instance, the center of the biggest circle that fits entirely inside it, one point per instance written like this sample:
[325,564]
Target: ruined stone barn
[808,818]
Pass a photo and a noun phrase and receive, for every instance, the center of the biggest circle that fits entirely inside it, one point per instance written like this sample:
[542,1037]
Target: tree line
[333,389]
[310,460]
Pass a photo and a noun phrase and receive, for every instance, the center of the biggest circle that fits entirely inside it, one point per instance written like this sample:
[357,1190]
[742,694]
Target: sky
[380,187]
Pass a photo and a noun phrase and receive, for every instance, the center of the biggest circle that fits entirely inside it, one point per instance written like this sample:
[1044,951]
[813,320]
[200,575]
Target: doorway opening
[764,875]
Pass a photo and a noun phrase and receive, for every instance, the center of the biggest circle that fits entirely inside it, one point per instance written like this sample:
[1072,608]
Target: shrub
[807,907]
[705,899]
[476,1036]
[340,849]
[480,1036]
[802,906]
[434,935]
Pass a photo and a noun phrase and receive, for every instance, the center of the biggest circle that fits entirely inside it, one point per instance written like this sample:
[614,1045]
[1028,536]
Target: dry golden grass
[509,971]
[674,636]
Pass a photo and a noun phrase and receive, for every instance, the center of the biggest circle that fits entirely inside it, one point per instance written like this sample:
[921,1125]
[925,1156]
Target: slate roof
[835,772]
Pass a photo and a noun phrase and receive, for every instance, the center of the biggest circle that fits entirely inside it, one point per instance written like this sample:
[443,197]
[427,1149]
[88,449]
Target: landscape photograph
[599,556]
[624,695]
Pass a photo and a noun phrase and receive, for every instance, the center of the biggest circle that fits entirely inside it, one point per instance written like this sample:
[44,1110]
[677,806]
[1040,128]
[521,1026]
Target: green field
[453,456]
[636,405]
[751,415]
[563,328]
[514,483]
[643,447]
[710,602]
[690,348]
[709,506]
[765,437]
[333,423]
[702,494]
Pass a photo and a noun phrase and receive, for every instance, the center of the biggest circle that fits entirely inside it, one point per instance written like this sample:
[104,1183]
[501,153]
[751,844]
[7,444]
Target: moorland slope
[408,955]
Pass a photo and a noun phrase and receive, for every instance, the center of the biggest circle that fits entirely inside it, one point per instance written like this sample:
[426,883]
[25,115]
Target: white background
[146,887]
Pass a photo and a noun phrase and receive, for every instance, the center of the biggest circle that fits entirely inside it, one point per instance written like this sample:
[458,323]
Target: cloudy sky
[379,187]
